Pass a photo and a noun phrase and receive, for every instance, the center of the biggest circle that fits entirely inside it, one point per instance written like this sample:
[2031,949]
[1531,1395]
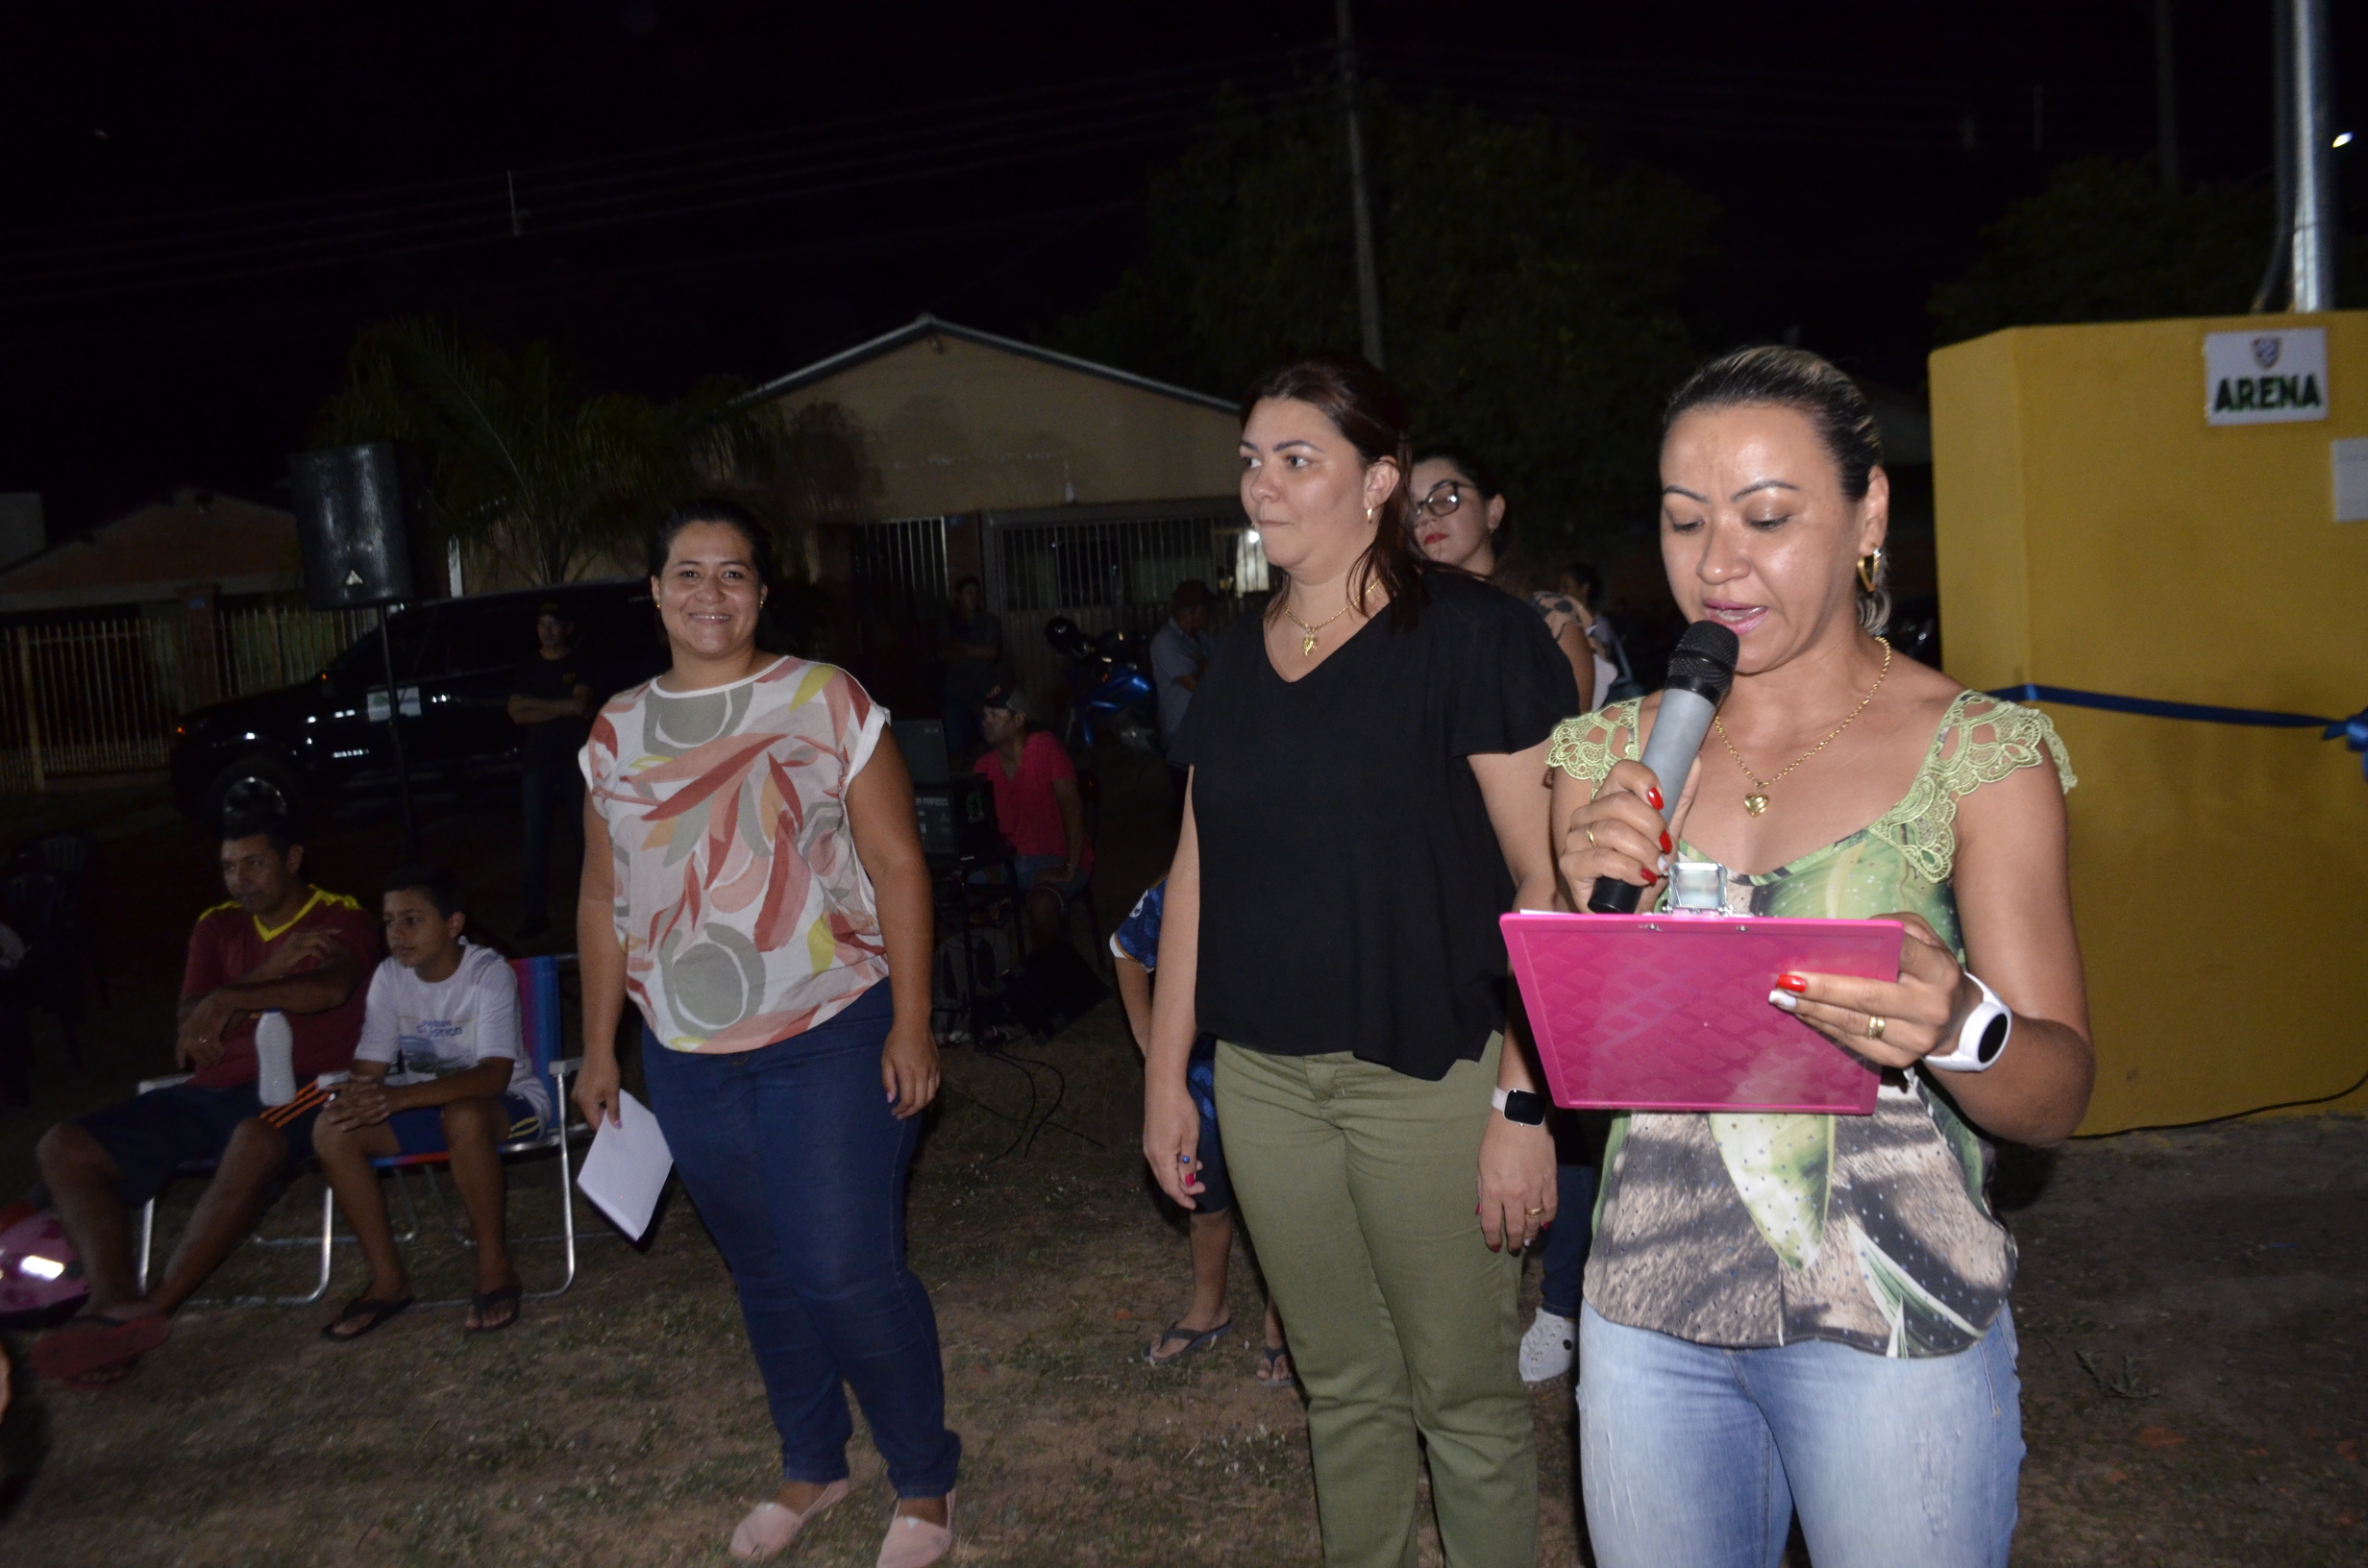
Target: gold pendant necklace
[1307,644]
[1756,803]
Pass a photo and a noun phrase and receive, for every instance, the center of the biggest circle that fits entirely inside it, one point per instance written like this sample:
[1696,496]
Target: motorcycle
[1110,687]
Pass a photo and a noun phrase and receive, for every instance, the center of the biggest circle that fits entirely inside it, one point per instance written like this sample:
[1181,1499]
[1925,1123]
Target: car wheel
[257,785]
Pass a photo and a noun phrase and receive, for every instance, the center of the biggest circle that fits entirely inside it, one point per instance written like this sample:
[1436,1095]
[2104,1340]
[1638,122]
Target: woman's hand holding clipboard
[1890,1023]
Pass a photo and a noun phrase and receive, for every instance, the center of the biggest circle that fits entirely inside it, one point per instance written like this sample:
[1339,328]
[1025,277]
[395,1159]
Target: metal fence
[102,696]
[1111,568]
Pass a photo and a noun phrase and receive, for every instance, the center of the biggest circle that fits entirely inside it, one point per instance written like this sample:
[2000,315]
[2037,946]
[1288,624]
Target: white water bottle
[275,1059]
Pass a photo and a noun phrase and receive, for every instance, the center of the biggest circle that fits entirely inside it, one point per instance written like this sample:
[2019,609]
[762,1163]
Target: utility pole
[1361,207]
[2166,100]
[2282,151]
[2311,253]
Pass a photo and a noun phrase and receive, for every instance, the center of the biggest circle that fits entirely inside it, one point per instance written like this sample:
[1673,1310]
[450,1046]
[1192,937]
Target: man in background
[552,705]
[280,944]
[973,663]
[1180,653]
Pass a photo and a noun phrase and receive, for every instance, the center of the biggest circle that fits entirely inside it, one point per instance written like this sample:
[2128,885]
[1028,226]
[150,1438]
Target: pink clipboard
[1670,1012]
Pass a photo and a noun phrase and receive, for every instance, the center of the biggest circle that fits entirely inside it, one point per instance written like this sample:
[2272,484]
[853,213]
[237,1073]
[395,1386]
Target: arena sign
[2265,378]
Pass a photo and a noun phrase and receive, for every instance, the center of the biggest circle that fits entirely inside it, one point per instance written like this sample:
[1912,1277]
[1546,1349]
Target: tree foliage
[2105,242]
[548,478]
[1528,288]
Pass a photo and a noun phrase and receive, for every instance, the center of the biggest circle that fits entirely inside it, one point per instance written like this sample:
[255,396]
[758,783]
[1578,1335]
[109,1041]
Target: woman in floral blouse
[754,881]
[1811,1311]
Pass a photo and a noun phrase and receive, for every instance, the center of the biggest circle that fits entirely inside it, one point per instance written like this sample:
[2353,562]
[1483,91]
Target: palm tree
[546,478]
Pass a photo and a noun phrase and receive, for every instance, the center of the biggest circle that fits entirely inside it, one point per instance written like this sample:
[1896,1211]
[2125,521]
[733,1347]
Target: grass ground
[2192,1309]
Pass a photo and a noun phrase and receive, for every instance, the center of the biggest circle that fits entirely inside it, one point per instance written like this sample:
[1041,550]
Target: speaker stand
[394,733]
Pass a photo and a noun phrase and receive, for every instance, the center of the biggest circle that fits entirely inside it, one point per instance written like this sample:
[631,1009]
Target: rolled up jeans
[1696,1455]
[799,1171]
[1359,1186]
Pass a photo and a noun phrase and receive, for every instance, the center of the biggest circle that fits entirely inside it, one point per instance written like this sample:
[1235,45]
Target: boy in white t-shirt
[441,1067]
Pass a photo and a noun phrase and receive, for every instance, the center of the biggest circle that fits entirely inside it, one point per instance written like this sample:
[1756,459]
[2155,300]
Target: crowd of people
[1770,1314]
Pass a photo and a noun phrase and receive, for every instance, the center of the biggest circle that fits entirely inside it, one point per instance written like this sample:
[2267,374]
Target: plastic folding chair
[206,1167]
[539,1030]
[71,857]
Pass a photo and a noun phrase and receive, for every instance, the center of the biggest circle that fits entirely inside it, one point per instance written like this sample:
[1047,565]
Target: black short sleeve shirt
[551,745]
[1350,880]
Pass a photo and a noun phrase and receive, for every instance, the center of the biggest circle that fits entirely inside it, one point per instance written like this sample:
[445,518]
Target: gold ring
[1590,838]
[1875,1027]
[1533,1213]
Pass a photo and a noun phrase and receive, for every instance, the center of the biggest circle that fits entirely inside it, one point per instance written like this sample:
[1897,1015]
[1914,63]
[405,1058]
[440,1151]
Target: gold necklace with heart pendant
[1756,803]
[1307,642]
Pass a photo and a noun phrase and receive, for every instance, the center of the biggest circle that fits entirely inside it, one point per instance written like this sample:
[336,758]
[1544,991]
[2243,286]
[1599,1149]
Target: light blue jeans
[1696,1455]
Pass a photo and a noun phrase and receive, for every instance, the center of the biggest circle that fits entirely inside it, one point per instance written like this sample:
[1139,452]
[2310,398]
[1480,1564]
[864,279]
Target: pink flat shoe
[771,1526]
[917,1543]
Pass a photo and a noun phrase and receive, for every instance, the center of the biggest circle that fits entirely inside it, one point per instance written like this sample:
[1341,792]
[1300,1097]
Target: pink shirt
[1025,807]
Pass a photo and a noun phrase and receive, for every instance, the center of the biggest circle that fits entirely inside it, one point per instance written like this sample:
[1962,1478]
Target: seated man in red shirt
[1038,810]
[281,942]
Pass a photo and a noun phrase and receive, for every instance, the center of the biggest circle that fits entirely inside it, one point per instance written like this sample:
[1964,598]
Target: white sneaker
[1548,1348]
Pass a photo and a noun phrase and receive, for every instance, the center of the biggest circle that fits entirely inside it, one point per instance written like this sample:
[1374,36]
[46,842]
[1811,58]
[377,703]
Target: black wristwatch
[1521,1106]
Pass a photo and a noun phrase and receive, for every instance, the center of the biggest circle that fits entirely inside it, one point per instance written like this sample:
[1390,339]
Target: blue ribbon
[2351,731]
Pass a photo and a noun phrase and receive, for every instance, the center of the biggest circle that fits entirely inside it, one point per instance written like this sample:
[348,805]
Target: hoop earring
[1369,513]
[1868,565]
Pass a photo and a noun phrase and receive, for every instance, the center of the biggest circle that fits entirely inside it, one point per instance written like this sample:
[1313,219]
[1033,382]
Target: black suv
[304,745]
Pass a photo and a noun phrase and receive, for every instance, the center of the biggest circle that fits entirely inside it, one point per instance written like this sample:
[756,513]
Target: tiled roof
[193,537]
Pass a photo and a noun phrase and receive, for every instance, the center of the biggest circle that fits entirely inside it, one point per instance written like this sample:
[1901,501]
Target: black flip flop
[372,1315]
[486,1301]
[1194,1341]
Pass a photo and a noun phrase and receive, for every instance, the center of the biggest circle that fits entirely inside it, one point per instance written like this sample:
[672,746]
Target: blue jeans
[1694,1455]
[799,1171]
[1573,1231]
[552,802]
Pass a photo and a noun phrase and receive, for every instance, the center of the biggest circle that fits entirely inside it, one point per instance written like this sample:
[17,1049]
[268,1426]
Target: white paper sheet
[627,1166]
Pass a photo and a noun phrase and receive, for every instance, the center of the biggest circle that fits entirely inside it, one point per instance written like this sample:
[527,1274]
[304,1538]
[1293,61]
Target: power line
[488,220]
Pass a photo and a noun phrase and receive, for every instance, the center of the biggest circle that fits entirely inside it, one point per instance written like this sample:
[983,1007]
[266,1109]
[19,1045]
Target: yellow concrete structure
[2096,534]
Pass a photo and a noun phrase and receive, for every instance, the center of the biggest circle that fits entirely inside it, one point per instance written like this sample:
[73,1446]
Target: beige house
[955,421]
[1069,487]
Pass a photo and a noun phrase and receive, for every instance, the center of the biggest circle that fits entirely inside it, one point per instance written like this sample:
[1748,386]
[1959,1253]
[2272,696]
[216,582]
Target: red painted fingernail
[1652,796]
[1666,844]
[1794,983]
[1649,876]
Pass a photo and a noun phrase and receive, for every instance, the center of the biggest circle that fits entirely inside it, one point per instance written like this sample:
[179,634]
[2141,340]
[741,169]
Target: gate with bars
[103,696]
[1105,567]
[1110,569]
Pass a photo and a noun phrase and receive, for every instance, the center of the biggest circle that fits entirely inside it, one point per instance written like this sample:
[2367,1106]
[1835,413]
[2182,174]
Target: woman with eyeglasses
[1459,521]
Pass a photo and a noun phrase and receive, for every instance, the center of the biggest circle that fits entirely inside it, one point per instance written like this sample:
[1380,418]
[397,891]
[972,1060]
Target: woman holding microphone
[1809,1312]
[754,881]
[1365,797]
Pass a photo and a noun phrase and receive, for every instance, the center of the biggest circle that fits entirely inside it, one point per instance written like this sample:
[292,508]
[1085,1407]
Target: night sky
[200,205]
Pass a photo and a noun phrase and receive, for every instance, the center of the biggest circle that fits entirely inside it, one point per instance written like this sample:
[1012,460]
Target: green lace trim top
[1748,1230]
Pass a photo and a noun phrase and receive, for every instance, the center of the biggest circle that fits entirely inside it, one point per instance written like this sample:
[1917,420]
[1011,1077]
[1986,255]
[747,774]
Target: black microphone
[1701,671]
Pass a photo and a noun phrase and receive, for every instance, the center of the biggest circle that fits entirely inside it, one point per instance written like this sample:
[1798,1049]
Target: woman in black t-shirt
[1366,795]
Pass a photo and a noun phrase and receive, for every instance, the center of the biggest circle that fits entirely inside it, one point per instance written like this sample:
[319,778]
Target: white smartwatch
[1982,1039]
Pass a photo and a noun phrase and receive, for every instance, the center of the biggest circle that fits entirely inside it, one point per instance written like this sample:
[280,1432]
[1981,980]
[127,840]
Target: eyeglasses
[1444,499]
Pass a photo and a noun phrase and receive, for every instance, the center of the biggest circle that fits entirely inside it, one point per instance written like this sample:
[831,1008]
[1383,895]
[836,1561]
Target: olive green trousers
[1358,1186]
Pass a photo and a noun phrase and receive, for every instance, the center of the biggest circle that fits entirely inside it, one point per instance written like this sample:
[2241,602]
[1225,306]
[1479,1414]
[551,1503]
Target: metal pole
[394,733]
[1368,274]
[33,709]
[2282,151]
[2166,100]
[2312,256]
